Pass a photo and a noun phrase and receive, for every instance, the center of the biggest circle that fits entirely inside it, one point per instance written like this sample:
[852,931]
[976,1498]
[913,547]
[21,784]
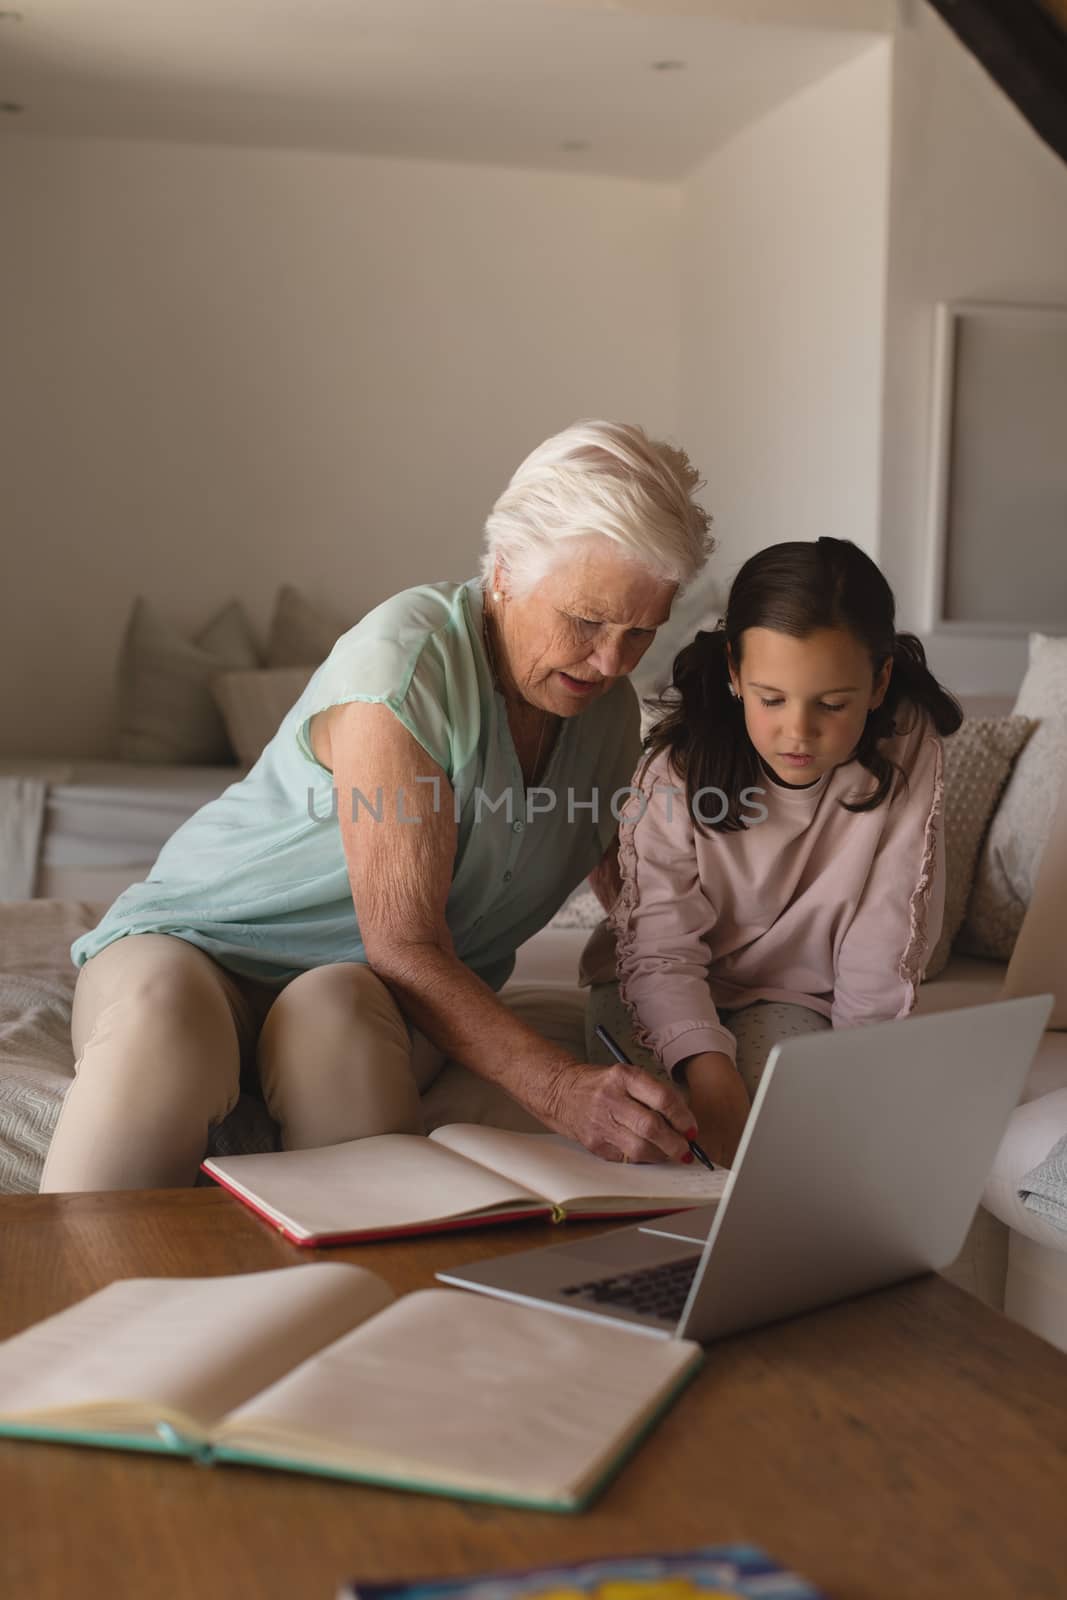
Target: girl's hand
[719,1103]
[619,1113]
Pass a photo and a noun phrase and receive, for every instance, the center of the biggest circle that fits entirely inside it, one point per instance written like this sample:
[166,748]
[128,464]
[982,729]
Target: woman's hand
[718,1103]
[620,1113]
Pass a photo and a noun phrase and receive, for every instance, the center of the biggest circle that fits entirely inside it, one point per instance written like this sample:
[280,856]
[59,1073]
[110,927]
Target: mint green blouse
[257,878]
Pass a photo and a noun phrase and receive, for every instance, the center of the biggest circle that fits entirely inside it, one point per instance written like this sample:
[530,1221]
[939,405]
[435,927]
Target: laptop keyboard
[653,1291]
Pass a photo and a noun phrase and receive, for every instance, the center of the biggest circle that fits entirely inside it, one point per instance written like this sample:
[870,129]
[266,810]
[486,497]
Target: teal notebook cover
[166,1440]
[426,1485]
[315,1369]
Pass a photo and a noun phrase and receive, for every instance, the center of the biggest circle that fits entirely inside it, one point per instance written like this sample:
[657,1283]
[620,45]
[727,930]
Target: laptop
[861,1164]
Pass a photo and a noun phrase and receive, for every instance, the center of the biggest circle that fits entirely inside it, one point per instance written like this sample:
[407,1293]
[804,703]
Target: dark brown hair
[794,588]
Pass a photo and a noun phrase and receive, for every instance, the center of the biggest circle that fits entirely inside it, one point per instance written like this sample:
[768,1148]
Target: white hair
[606,480]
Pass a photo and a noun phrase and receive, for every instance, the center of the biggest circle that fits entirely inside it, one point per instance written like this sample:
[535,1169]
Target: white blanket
[37,1062]
[21,825]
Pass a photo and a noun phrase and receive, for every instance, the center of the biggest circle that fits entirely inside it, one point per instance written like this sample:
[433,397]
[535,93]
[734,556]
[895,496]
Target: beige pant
[756,1029]
[161,1034]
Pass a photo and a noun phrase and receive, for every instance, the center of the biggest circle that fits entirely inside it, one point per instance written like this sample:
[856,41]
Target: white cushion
[1044,689]
[1039,960]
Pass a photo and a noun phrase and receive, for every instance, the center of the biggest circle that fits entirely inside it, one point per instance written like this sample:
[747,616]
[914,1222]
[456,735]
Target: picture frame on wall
[997,513]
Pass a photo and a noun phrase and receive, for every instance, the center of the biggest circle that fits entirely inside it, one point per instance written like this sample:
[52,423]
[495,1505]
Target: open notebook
[460,1176]
[317,1368]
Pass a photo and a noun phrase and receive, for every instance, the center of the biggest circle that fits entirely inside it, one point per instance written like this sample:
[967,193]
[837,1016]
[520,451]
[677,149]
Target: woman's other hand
[620,1112]
[718,1102]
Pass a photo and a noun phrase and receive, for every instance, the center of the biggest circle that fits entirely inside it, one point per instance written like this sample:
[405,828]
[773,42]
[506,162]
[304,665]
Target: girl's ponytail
[917,685]
[702,726]
[911,685]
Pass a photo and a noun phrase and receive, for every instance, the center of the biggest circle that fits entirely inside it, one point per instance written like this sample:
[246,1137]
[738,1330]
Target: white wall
[223,369]
[978,212]
[783,250]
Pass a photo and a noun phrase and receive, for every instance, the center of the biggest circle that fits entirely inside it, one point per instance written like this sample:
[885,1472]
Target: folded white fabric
[1033,1130]
[21,821]
[1044,1188]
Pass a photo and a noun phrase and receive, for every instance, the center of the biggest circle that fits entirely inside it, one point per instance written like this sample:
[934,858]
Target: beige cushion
[253,705]
[978,760]
[165,706]
[1006,875]
[300,635]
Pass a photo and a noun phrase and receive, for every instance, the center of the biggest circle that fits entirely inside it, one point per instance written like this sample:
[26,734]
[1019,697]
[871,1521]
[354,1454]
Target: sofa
[1013,1258]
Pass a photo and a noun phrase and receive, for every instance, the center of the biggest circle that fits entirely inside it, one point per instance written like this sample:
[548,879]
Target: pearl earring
[496,597]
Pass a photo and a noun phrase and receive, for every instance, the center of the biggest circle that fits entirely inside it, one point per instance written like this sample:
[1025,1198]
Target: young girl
[782,863]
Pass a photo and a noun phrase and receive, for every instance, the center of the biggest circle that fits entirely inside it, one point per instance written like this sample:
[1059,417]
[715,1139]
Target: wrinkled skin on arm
[400,874]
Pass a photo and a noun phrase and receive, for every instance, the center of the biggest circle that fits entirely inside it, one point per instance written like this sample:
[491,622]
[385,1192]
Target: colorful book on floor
[464,1175]
[318,1368]
[715,1572]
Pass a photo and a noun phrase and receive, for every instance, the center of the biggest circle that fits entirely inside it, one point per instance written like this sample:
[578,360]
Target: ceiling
[569,85]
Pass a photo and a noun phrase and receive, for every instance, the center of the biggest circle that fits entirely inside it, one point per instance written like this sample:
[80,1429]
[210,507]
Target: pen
[620,1055]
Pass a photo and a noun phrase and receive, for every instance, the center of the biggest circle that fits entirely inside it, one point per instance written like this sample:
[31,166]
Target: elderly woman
[343,917]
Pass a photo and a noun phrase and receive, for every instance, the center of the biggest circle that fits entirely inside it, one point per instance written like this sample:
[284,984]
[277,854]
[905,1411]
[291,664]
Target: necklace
[546,716]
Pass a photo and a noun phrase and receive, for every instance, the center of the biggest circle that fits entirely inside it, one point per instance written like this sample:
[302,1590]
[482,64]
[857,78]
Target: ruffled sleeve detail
[880,961]
[926,906]
[621,916]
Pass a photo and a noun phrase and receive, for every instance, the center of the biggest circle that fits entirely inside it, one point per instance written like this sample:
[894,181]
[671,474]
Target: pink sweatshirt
[831,909]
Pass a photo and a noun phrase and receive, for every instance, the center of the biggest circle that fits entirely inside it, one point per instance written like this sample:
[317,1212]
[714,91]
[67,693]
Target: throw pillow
[978,760]
[166,711]
[1039,961]
[253,705]
[300,635]
[1008,865]
[1044,689]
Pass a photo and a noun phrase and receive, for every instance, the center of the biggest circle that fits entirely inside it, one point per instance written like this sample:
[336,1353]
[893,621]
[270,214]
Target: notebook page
[392,1180]
[195,1347]
[566,1173]
[459,1390]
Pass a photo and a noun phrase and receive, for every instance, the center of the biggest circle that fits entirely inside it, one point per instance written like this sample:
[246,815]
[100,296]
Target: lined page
[568,1174]
[456,1390]
[194,1346]
[392,1180]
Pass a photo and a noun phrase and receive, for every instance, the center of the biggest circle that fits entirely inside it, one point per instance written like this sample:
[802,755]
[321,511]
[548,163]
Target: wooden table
[910,1443]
